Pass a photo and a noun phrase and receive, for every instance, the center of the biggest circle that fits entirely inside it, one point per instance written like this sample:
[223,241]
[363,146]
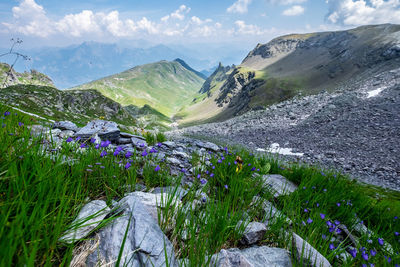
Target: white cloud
[198,21]
[247,29]
[30,19]
[240,6]
[287,2]
[294,11]
[178,14]
[361,12]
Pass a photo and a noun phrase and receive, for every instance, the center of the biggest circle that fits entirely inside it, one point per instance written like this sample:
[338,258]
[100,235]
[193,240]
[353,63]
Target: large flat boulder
[278,184]
[89,217]
[106,130]
[145,245]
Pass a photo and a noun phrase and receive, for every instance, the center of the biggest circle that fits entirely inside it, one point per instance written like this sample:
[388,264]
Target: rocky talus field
[355,129]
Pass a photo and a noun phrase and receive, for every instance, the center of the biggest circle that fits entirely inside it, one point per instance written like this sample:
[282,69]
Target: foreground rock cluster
[136,227]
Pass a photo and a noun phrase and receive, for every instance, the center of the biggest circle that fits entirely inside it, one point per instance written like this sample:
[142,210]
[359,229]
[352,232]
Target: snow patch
[31,114]
[275,148]
[374,92]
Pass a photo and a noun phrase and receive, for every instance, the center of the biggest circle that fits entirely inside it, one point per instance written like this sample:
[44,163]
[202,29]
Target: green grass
[43,186]
[42,189]
[228,207]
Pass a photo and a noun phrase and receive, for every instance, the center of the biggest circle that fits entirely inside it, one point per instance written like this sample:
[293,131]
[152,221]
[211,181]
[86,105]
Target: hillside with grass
[166,86]
[78,106]
[300,64]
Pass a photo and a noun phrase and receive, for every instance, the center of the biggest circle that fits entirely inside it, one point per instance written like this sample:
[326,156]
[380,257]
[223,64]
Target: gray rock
[146,244]
[211,146]
[138,143]
[97,210]
[66,134]
[128,135]
[253,233]
[65,125]
[173,161]
[180,154]
[305,251]
[279,185]
[252,257]
[124,141]
[106,130]
[169,144]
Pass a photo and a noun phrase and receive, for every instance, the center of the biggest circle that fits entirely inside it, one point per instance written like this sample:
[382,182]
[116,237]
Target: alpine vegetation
[97,196]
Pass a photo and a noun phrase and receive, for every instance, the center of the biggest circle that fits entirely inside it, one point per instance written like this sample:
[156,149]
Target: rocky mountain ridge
[8,77]
[305,64]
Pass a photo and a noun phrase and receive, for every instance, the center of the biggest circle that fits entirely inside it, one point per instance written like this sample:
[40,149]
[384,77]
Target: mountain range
[78,64]
[286,67]
[296,64]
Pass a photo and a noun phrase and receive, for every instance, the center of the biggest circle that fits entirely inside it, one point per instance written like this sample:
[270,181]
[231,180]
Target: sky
[44,23]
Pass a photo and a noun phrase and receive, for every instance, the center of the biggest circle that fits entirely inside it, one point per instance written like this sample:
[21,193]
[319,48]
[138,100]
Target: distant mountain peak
[186,66]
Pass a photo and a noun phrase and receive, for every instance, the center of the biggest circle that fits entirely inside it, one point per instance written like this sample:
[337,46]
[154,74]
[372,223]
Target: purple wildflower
[203,181]
[313,187]
[323,174]
[89,170]
[6,113]
[306,210]
[198,176]
[380,241]
[396,233]
[69,139]
[144,153]
[323,236]
[365,256]
[309,220]
[159,144]
[20,124]
[98,163]
[329,223]
[141,145]
[128,165]
[213,167]
[212,175]
[226,186]
[304,188]
[303,223]
[337,222]
[338,231]
[128,154]
[219,161]
[102,167]
[249,164]
[322,215]
[338,204]
[83,145]
[183,170]
[369,241]
[331,246]
[373,252]
[92,140]
[157,168]
[317,205]
[97,146]
[353,252]
[78,138]
[103,153]
[325,190]
[105,143]
[253,169]
[153,150]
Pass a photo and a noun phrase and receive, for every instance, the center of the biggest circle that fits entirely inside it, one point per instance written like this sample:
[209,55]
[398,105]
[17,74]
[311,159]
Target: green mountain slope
[297,64]
[78,106]
[165,86]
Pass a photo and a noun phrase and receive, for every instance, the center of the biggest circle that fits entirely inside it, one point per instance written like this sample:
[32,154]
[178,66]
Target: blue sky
[235,22]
